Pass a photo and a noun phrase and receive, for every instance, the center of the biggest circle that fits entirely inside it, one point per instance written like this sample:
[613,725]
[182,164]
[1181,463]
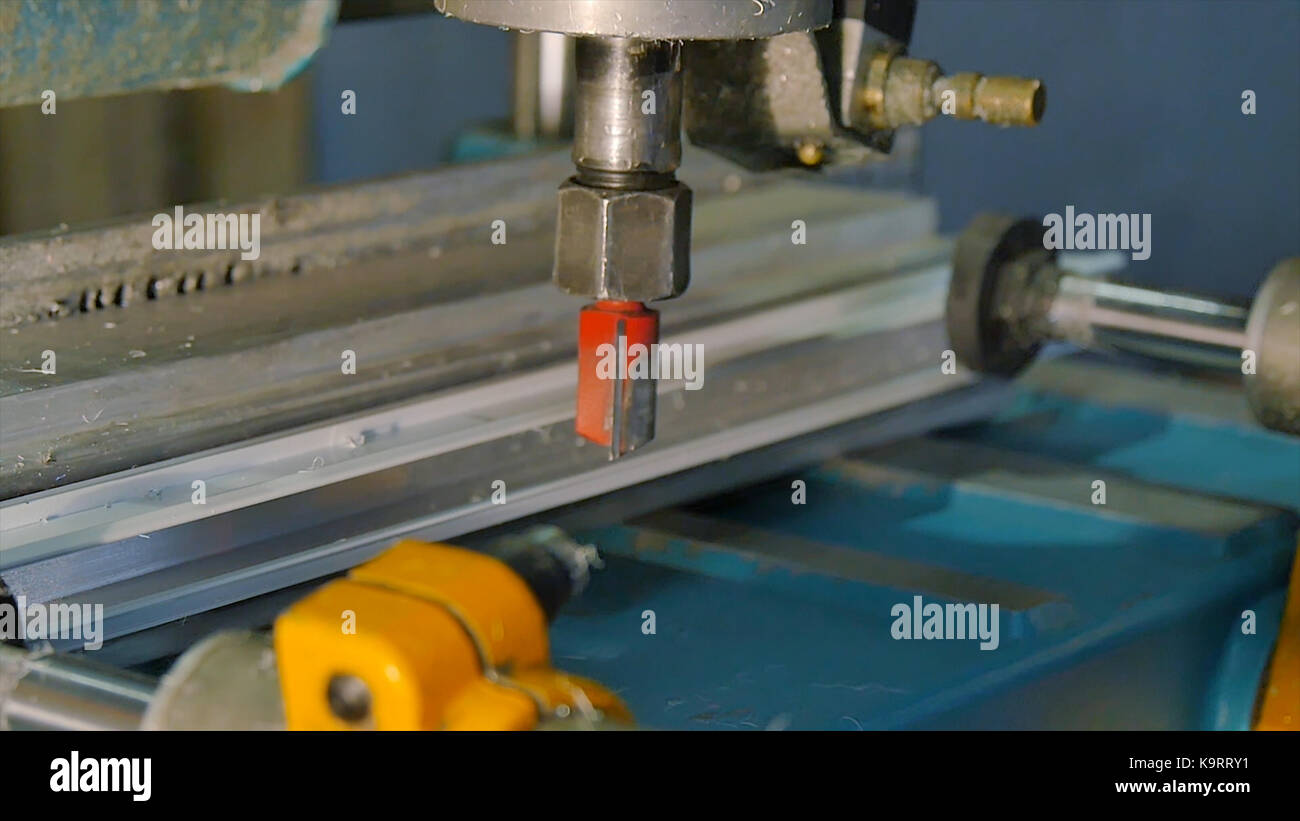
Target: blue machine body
[1158,608]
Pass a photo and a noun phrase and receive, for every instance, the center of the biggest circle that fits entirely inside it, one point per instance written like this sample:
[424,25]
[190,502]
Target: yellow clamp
[423,637]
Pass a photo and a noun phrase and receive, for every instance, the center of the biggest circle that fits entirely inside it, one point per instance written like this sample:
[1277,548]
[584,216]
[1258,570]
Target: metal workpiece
[623,244]
[628,106]
[442,404]
[647,19]
[432,475]
[1273,333]
[1009,295]
[40,690]
[112,271]
[897,90]
[159,378]
[784,334]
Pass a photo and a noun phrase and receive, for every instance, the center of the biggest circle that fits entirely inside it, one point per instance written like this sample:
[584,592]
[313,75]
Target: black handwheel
[980,339]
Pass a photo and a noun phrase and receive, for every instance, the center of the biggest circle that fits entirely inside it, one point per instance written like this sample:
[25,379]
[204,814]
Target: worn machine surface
[344,484]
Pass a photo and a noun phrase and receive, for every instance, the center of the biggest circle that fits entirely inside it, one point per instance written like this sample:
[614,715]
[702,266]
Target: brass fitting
[901,91]
[998,100]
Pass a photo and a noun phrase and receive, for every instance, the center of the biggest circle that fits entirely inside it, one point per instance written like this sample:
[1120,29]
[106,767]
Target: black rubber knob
[982,340]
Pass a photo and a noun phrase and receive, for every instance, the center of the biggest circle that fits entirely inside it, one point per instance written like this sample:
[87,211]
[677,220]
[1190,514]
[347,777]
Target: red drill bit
[616,396]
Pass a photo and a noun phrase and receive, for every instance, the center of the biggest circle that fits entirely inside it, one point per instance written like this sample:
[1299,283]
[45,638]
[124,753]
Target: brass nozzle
[906,91]
[996,100]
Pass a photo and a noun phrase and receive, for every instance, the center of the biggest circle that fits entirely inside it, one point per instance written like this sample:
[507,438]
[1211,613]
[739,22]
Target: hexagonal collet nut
[623,244]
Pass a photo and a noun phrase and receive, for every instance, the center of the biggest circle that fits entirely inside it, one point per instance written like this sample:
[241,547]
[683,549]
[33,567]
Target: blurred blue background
[1143,115]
